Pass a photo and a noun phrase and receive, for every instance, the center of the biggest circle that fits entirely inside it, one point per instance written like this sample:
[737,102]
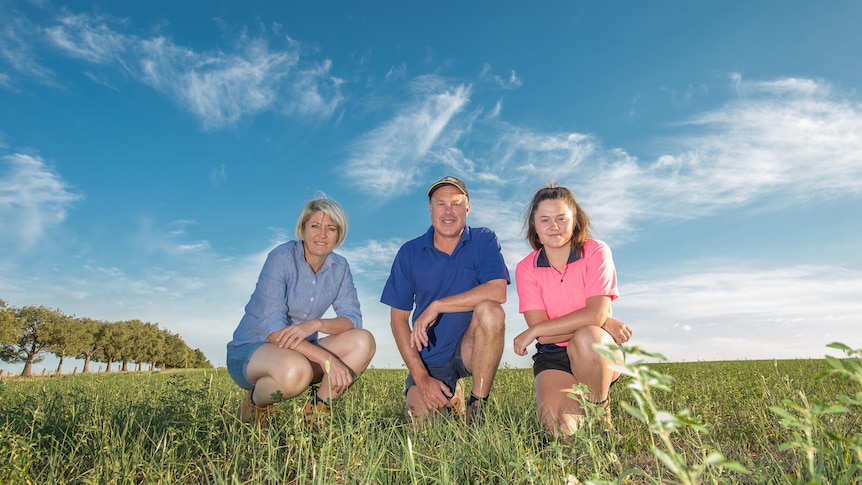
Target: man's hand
[433,394]
[419,334]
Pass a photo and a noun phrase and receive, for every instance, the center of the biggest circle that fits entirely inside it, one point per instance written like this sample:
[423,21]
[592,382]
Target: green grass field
[180,427]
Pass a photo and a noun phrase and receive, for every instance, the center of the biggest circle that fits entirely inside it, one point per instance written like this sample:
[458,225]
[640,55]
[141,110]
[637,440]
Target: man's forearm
[494,290]
[401,333]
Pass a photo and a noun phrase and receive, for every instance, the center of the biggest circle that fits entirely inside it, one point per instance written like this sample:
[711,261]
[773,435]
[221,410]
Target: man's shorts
[237,363]
[448,373]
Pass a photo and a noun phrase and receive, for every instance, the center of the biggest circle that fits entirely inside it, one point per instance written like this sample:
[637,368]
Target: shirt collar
[542,258]
[299,256]
[428,238]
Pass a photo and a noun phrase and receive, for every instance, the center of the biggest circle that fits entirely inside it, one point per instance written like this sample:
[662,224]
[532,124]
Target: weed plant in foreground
[706,422]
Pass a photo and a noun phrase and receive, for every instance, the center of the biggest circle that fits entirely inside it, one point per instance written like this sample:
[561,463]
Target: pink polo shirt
[541,287]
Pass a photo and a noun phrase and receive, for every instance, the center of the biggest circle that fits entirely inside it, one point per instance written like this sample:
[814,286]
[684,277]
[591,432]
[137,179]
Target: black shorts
[549,358]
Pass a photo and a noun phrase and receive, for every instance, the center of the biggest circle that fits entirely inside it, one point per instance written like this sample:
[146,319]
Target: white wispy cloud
[733,312]
[87,38]
[218,176]
[788,139]
[510,81]
[33,197]
[314,92]
[16,46]
[371,259]
[792,136]
[391,158]
[219,88]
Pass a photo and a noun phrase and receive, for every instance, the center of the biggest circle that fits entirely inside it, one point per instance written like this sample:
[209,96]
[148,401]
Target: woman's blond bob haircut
[328,207]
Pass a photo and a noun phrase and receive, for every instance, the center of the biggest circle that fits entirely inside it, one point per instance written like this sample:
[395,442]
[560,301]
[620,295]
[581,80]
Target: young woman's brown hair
[581,230]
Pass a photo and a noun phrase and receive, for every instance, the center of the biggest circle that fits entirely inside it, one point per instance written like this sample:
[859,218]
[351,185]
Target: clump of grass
[830,454]
[643,382]
[181,427]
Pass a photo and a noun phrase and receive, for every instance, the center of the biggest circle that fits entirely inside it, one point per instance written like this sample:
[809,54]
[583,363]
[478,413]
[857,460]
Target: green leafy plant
[663,424]
[830,455]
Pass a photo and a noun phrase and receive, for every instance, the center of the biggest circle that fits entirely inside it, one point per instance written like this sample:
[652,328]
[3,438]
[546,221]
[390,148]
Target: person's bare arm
[494,290]
[289,337]
[548,331]
[435,394]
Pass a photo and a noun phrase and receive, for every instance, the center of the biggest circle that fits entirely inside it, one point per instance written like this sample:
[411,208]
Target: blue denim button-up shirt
[288,293]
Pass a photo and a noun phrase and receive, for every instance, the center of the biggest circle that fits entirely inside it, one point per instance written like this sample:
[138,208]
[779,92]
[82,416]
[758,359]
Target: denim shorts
[448,373]
[237,363]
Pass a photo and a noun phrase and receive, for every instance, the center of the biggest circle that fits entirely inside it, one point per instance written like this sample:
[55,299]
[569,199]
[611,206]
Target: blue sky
[152,153]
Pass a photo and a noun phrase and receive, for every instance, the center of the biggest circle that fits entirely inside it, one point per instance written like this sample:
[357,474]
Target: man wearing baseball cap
[457,279]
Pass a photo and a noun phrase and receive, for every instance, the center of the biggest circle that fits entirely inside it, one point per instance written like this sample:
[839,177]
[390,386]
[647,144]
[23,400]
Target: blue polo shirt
[422,273]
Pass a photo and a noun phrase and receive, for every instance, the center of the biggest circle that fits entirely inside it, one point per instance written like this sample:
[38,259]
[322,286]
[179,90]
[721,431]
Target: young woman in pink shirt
[565,289]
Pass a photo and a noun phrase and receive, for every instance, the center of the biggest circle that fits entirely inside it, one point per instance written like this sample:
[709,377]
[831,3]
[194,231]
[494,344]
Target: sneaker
[251,413]
[316,415]
[459,405]
[475,412]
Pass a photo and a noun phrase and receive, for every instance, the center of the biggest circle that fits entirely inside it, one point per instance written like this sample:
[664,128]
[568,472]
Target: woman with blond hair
[276,352]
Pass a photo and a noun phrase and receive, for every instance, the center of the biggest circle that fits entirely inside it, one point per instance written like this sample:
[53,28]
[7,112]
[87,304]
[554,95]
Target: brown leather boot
[251,413]
[316,415]
[459,405]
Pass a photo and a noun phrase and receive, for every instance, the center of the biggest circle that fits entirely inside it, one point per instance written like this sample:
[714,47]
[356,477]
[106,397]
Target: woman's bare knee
[292,380]
[363,343]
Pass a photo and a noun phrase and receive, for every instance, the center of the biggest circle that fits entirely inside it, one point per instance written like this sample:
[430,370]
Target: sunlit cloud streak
[788,139]
[371,259]
[391,159]
[88,39]
[219,88]
[33,197]
[733,312]
[16,49]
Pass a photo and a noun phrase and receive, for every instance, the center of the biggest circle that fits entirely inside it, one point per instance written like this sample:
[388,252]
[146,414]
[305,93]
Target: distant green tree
[177,353]
[103,334]
[113,339]
[65,336]
[33,337]
[130,346]
[8,328]
[27,332]
[151,345]
[200,361]
[89,343]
